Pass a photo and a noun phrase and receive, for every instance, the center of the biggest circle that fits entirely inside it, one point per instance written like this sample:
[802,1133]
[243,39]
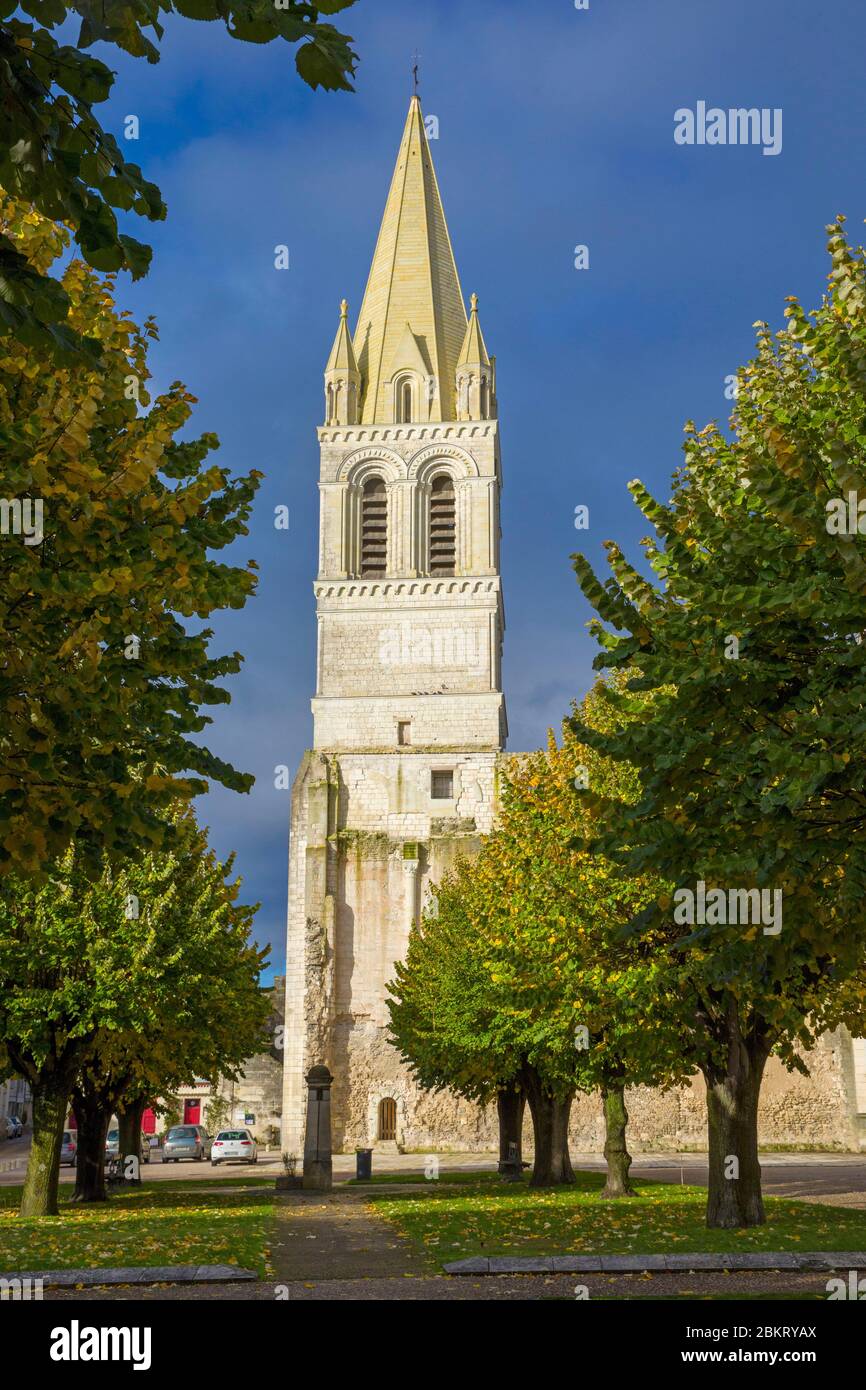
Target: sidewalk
[334,1235]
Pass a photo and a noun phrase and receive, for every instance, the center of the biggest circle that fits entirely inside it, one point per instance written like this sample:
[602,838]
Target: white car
[234,1145]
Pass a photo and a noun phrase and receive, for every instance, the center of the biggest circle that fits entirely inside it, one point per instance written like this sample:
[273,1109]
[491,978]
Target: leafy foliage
[753,768]
[172,991]
[523,949]
[144,979]
[102,683]
[56,156]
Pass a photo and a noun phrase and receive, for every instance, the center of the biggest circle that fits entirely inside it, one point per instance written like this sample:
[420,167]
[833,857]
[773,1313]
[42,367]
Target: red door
[192,1112]
[148,1122]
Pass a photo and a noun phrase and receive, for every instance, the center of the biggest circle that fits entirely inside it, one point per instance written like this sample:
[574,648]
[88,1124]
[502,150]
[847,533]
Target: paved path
[334,1235]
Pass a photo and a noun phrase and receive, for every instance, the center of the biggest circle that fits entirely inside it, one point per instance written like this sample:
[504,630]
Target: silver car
[69,1148]
[186,1141]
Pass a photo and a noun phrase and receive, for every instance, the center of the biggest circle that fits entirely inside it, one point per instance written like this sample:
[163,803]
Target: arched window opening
[387,1118]
[330,405]
[443,526]
[484,398]
[404,401]
[374,527]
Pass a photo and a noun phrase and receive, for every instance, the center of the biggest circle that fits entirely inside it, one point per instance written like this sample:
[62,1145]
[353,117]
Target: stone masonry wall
[361,894]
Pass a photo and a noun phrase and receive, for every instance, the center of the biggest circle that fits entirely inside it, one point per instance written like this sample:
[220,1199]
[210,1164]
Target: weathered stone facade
[358,882]
[818,1111]
[409,716]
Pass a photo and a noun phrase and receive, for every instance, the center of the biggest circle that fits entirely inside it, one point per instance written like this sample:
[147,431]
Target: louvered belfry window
[374,527]
[443,526]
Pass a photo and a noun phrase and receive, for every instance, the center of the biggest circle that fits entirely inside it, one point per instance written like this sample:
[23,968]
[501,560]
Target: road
[836,1178]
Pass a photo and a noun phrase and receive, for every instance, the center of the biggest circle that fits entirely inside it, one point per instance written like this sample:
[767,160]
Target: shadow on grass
[155,1224]
[491,1218]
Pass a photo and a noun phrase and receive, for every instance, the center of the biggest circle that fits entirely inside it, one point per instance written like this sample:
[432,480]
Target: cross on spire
[416,55]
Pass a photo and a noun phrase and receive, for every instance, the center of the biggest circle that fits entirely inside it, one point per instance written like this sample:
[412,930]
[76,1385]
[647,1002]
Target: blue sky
[555,128]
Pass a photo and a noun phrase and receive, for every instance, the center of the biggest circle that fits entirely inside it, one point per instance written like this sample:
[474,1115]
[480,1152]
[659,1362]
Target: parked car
[186,1141]
[112,1145]
[234,1145]
[17,1126]
[69,1148]
[8,1127]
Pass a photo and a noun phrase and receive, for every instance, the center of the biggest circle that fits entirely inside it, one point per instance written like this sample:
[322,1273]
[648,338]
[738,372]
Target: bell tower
[408,713]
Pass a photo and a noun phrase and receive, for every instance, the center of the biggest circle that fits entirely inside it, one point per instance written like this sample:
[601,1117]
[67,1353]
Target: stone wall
[817,1111]
[797,1112]
[367,844]
[368,839]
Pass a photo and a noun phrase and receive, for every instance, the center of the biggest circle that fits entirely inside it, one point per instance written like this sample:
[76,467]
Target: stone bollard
[317,1140]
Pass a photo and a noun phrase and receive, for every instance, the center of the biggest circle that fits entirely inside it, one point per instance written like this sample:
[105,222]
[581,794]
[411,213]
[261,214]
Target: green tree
[521,976]
[218,1111]
[93,1101]
[752,756]
[442,1013]
[56,156]
[130,985]
[103,681]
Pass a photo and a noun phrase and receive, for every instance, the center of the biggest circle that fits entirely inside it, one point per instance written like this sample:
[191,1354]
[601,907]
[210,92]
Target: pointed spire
[342,358]
[473,352]
[413,280]
[342,378]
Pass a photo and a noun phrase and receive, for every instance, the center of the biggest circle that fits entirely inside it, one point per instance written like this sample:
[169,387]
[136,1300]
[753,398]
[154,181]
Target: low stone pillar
[317,1139]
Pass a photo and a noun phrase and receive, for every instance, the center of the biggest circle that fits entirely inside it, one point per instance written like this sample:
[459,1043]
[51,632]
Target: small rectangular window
[404,731]
[442,786]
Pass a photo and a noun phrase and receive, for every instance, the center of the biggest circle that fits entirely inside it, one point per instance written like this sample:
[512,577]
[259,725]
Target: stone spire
[476,377]
[413,305]
[473,352]
[342,377]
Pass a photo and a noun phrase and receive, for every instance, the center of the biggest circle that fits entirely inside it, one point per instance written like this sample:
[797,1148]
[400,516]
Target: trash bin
[363,1163]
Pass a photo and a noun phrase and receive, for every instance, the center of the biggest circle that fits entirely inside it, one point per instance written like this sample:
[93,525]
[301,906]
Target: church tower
[408,713]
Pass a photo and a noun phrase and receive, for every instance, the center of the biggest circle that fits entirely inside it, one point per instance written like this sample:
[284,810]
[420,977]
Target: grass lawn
[458,1177]
[155,1224]
[490,1218]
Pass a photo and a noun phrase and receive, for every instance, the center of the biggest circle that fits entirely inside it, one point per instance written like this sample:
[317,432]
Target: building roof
[413,284]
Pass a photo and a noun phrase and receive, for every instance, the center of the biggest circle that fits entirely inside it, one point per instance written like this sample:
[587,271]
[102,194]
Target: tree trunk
[129,1146]
[93,1115]
[50,1098]
[510,1105]
[552,1166]
[617,1156]
[734,1195]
